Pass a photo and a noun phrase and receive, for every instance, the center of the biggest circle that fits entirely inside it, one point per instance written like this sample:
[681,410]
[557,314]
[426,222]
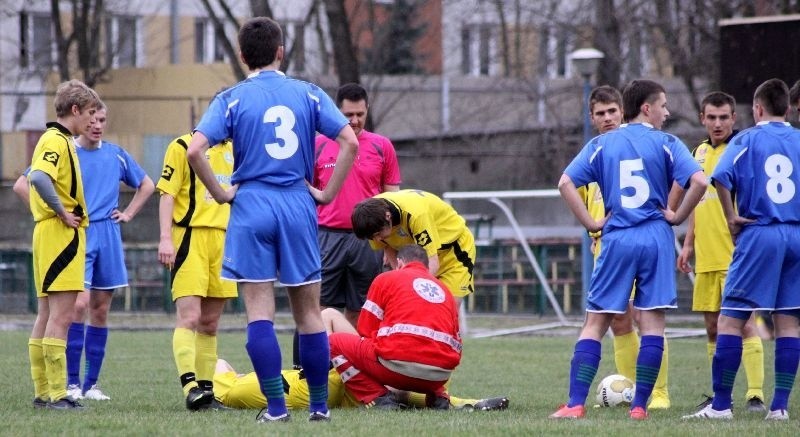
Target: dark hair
[259,39]
[717,99]
[773,95]
[352,92]
[606,95]
[637,93]
[794,94]
[413,252]
[369,217]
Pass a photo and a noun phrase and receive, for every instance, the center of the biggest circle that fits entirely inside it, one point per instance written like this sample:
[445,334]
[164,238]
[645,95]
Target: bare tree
[344,53]
[219,32]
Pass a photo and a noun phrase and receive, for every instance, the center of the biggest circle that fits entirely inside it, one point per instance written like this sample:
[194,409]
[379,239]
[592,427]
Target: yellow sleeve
[425,233]
[175,169]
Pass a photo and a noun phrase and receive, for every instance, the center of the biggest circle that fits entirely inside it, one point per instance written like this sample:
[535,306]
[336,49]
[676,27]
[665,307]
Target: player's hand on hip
[228,195]
[598,224]
[70,219]
[166,253]
[120,216]
[736,224]
[319,196]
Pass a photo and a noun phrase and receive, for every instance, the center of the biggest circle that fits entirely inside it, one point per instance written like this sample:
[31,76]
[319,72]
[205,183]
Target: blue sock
[265,354]
[651,350]
[787,356]
[583,368]
[96,339]
[724,366]
[74,352]
[315,357]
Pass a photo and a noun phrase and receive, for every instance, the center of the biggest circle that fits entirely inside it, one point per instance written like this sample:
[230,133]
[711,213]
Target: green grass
[140,376]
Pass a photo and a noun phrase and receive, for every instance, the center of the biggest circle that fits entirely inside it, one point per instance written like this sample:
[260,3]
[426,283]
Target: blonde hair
[74,92]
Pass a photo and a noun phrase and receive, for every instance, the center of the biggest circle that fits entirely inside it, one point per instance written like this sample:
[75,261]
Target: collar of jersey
[644,123]
[256,73]
[765,122]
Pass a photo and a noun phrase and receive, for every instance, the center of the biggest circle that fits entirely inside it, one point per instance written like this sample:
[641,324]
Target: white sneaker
[95,394]
[710,413]
[74,391]
[777,415]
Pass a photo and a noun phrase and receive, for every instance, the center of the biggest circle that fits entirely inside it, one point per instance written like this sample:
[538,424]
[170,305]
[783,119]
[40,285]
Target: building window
[37,42]
[122,41]
[556,48]
[478,50]
[296,45]
[208,46]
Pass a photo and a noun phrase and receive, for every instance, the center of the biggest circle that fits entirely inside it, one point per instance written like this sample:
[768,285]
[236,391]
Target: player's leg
[626,343]
[787,356]
[96,340]
[660,398]
[75,341]
[727,357]
[335,321]
[54,343]
[651,353]
[206,343]
[753,363]
[355,360]
[41,391]
[313,342]
[187,310]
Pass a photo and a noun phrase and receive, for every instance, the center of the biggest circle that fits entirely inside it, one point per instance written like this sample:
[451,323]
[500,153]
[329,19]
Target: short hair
[637,93]
[717,99]
[369,217]
[794,93]
[259,39]
[74,93]
[606,95]
[352,92]
[412,252]
[773,96]
[101,106]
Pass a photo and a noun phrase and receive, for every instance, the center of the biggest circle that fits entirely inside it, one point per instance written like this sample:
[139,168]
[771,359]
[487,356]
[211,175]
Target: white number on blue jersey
[780,188]
[285,120]
[641,190]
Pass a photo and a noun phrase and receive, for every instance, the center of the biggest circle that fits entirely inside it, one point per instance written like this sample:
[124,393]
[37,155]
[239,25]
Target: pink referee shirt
[375,166]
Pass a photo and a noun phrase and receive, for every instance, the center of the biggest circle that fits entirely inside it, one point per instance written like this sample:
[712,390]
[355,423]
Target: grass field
[140,376]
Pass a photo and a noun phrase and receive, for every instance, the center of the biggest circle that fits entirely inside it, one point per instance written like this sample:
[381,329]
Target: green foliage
[140,376]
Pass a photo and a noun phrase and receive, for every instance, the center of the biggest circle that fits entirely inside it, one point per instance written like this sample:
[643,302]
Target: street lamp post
[585,62]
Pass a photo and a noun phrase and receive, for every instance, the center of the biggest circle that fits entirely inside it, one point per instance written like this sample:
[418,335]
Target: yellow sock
[54,351]
[40,388]
[626,348]
[753,361]
[416,400]
[711,347]
[205,360]
[183,348]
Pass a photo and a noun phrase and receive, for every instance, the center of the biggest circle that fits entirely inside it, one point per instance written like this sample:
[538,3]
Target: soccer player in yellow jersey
[237,390]
[708,237]
[395,219]
[59,240]
[192,227]
[605,109]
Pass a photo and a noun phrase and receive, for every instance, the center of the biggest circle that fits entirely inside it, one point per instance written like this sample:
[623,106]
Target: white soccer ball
[615,390]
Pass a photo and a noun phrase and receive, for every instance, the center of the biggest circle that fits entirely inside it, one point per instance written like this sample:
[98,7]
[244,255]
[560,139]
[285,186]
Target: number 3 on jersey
[283,120]
[641,190]
[780,188]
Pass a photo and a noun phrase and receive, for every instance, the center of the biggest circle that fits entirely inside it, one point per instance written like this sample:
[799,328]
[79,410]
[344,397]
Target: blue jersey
[272,120]
[102,170]
[758,166]
[634,166]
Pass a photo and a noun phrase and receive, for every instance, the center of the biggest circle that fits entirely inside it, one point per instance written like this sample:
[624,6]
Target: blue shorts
[765,269]
[105,258]
[644,254]
[272,235]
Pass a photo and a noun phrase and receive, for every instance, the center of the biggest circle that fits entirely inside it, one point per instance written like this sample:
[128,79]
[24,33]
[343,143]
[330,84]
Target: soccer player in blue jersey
[761,166]
[635,166]
[272,233]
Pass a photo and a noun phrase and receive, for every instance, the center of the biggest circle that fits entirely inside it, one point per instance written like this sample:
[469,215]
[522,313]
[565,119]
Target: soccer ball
[615,390]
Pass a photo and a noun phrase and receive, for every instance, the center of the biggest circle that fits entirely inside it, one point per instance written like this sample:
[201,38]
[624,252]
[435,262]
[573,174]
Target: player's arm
[675,196]
[196,154]
[348,146]
[735,222]
[166,250]
[697,187]
[143,192]
[688,246]
[386,187]
[578,207]
[22,190]
[433,264]
[47,191]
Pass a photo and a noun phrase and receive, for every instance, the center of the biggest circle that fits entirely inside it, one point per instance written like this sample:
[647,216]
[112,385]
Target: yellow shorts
[198,263]
[708,287]
[456,263]
[59,257]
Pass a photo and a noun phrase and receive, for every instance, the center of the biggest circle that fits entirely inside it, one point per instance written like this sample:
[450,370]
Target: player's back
[763,165]
[416,203]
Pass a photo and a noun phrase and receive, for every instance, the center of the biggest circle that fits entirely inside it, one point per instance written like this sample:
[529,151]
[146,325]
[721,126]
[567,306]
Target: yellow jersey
[244,391]
[713,246]
[55,155]
[424,219]
[194,206]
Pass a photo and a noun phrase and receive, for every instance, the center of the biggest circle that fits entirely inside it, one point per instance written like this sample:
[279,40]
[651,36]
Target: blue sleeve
[684,165]
[723,172]
[580,169]
[330,119]
[132,174]
[215,122]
